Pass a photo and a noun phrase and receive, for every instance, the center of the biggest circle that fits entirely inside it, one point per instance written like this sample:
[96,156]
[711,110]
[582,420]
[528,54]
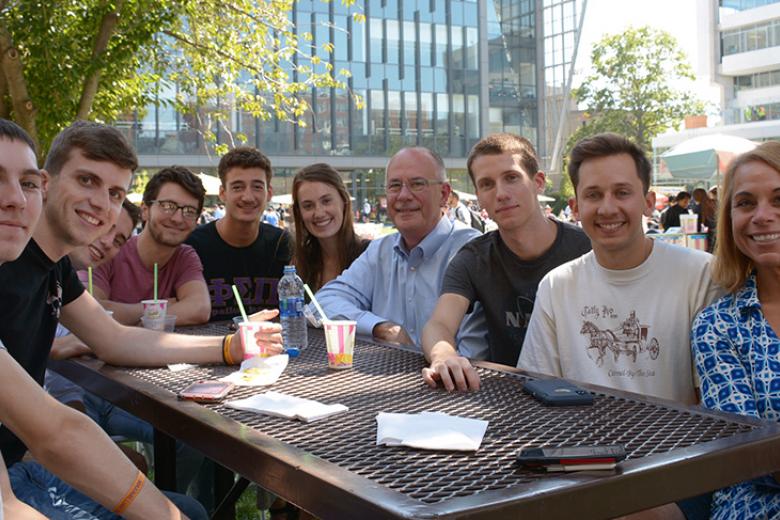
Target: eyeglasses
[415,185]
[170,208]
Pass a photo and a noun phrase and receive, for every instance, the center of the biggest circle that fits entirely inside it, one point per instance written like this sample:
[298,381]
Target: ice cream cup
[155,308]
[340,342]
[246,331]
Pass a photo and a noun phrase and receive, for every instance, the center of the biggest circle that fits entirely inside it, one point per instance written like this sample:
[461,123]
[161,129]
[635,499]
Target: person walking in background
[325,239]
[735,340]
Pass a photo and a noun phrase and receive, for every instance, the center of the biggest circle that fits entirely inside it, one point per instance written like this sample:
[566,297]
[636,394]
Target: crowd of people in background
[500,279]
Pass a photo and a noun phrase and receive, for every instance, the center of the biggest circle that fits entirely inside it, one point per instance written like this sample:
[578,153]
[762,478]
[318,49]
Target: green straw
[315,302]
[89,279]
[155,281]
[240,303]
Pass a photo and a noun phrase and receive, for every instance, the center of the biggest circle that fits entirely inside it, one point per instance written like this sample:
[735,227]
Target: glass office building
[436,73]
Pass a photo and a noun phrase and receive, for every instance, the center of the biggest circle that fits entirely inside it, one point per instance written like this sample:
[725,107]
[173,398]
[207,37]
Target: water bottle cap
[289,269]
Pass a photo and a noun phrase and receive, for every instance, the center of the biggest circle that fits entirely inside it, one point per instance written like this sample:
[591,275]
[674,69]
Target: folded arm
[192,305]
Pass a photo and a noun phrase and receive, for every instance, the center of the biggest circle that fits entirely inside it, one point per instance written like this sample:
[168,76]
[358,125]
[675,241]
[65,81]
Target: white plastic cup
[155,308]
[165,323]
[247,331]
[340,342]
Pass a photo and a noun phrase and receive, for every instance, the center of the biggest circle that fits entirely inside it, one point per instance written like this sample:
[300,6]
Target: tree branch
[22,105]
[5,109]
[107,27]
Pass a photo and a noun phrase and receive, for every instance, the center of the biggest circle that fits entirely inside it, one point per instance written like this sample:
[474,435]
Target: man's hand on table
[68,346]
[452,371]
[269,335]
[390,332]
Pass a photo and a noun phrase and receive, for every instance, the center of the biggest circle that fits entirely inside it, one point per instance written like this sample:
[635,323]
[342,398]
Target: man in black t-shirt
[60,439]
[238,248]
[501,269]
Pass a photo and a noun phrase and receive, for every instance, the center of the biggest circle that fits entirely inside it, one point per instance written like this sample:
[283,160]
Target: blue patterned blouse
[736,355]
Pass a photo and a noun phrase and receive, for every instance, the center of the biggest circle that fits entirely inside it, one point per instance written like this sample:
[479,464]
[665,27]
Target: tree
[63,60]
[632,89]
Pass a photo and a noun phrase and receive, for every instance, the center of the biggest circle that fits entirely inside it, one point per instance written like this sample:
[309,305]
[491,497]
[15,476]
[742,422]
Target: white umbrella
[211,183]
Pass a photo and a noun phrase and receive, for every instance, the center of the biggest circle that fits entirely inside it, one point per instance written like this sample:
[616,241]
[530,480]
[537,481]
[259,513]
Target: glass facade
[751,38]
[436,73]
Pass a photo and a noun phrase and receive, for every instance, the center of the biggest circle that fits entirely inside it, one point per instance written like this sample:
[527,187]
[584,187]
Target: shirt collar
[746,297]
[430,244]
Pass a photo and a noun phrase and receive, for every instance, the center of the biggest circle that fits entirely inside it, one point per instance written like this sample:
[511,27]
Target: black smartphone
[558,392]
[206,391]
[572,455]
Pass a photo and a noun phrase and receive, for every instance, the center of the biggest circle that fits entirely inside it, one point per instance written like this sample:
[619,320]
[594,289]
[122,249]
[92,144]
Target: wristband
[131,494]
[226,349]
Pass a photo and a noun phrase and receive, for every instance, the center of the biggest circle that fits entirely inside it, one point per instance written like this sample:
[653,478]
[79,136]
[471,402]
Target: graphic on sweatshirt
[629,339]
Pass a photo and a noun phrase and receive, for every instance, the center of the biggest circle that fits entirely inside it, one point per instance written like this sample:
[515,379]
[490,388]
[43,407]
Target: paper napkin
[288,406]
[430,431]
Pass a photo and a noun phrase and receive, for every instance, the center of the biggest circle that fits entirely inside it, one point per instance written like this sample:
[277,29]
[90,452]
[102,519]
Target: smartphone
[572,455]
[206,391]
[558,392]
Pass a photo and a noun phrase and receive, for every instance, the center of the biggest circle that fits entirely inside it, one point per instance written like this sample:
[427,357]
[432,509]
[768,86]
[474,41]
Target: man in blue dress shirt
[392,288]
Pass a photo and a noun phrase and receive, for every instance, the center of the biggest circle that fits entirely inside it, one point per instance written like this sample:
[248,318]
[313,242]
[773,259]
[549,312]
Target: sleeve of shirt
[72,287]
[725,383]
[540,348]
[101,277]
[457,279]
[189,266]
[349,296]
[284,251]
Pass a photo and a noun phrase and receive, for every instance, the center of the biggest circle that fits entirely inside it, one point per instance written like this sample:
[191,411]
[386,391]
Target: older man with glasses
[391,289]
[172,202]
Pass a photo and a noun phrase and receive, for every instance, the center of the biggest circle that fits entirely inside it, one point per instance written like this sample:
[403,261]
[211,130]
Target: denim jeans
[37,487]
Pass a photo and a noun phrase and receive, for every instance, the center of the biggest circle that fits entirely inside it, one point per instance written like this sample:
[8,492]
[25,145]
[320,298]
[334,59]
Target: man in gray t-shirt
[486,270]
[501,269]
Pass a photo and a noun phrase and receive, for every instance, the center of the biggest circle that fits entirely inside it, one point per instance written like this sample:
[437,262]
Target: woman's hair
[731,267]
[308,253]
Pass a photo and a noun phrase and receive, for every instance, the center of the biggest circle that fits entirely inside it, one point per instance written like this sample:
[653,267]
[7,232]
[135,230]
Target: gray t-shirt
[485,270]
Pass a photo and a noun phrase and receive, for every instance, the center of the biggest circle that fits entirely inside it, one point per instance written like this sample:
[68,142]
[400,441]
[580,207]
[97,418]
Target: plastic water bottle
[291,303]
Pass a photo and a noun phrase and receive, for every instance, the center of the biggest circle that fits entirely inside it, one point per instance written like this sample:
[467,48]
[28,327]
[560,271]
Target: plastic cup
[246,331]
[166,323]
[340,342]
[155,308]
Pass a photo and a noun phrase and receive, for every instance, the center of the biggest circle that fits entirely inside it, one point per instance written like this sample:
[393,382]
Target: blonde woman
[735,340]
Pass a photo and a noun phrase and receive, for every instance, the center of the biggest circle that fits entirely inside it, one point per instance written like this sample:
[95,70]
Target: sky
[677,17]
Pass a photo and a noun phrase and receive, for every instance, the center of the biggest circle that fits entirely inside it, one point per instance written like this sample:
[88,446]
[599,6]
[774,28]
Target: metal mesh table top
[386,379]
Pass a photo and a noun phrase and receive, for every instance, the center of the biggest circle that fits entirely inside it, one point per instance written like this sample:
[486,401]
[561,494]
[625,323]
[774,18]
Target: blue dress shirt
[389,283]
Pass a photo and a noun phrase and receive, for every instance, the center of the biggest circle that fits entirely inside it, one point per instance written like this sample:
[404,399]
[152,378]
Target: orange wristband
[226,350]
[131,495]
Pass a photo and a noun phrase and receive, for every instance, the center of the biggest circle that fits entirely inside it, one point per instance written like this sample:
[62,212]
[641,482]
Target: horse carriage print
[629,339]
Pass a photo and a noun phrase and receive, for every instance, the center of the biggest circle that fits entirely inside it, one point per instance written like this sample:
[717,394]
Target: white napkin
[179,367]
[430,431]
[291,407]
[258,371]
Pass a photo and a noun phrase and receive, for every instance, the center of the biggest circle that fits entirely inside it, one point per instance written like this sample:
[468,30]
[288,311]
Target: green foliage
[203,57]
[632,90]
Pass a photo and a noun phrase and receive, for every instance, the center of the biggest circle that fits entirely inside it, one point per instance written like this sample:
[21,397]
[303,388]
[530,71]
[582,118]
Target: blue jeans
[37,487]
[193,475]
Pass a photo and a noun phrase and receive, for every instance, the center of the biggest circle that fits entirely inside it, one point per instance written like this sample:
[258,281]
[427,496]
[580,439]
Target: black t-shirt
[672,216]
[255,269]
[485,270]
[33,290]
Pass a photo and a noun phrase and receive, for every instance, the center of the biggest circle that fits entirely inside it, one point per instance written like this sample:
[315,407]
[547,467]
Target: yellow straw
[315,302]
[240,303]
[89,279]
